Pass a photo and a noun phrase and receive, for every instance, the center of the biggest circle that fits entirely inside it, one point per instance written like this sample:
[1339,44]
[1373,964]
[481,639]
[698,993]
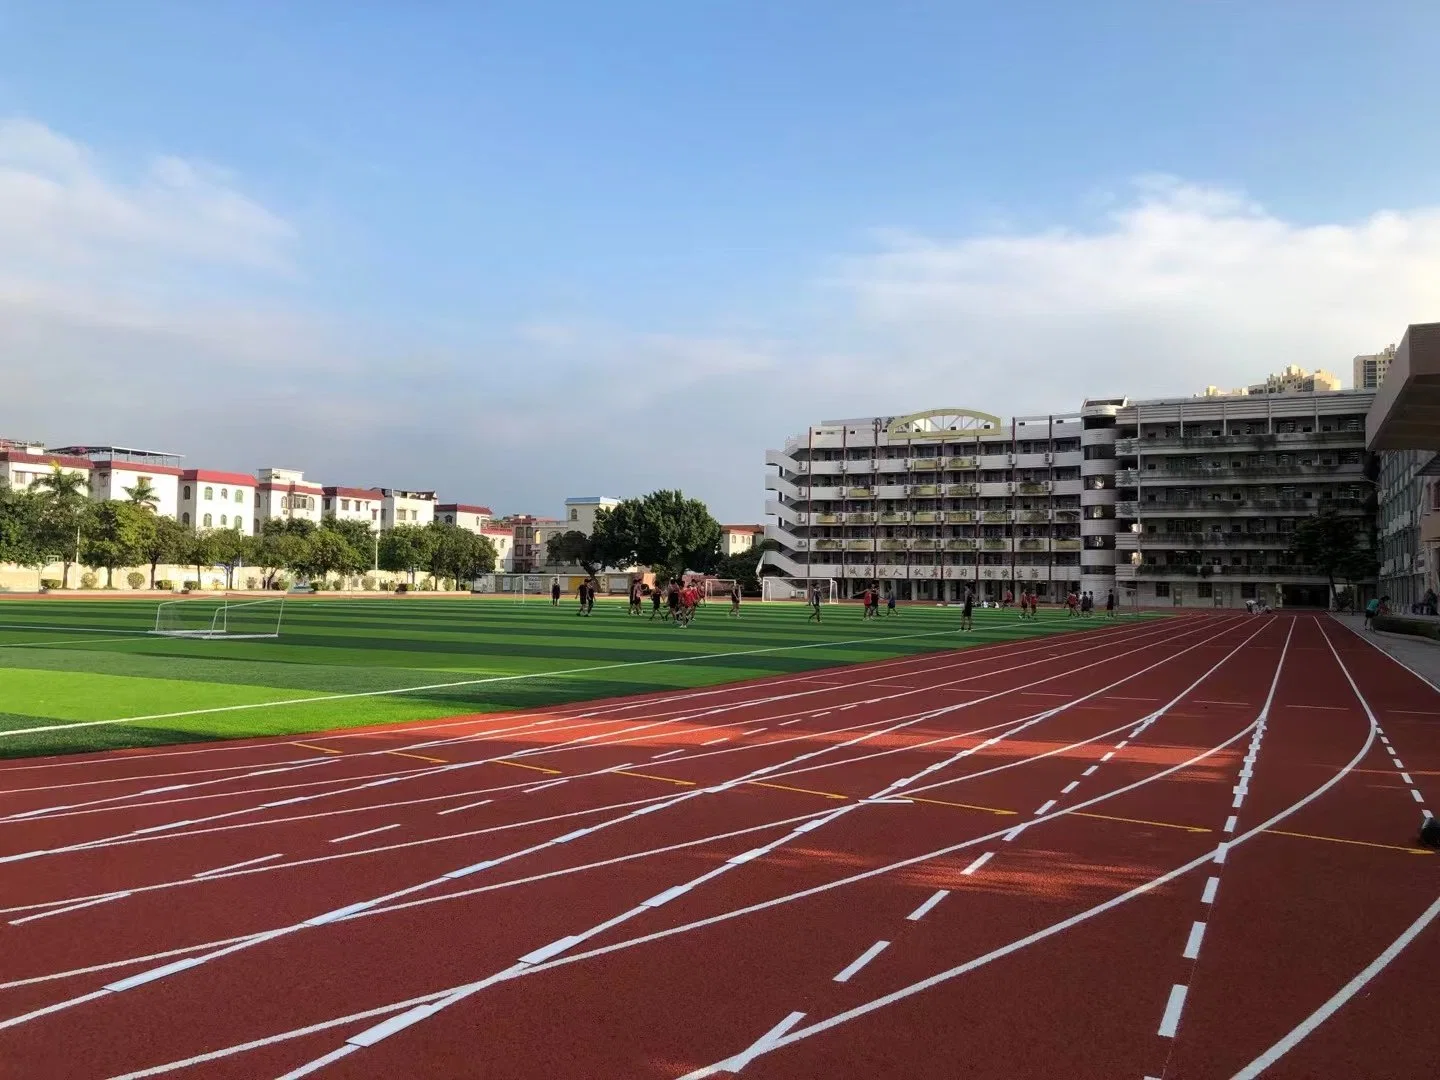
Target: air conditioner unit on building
[1010,487]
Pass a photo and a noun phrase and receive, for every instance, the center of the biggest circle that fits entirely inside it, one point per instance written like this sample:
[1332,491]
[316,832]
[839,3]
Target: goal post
[213,617]
[718,588]
[778,588]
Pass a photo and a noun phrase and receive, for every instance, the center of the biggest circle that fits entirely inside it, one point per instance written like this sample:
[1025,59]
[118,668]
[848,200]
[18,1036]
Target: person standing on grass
[672,602]
[654,601]
[889,602]
[580,594]
[735,600]
[555,593]
[865,603]
[967,612]
[814,604]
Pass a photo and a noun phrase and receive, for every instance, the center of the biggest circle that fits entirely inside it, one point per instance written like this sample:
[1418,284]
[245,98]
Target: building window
[224,494]
[187,491]
[574,514]
[327,504]
[224,521]
[1162,589]
[209,494]
[184,519]
[208,521]
[1204,590]
[1247,590]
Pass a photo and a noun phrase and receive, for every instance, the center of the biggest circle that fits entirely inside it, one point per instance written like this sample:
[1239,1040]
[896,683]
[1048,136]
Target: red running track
[1183,849]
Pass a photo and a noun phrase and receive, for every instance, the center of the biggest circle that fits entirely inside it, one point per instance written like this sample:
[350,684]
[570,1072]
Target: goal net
[718,588]
[775,588]
[208,617]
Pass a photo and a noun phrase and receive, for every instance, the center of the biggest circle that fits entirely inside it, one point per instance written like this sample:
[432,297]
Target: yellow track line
[522,765]
[1358,843]
[959,805]
[801,790]
[322,749]
[418,757]
[647,776]
[1143,821]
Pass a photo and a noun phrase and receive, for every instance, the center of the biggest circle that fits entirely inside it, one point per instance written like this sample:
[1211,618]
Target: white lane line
[71,907]
[667,753]
[238,865]
[1071,786]
[1090,770]
[1045,807]
[1170,1022]
[798,719]
[1108,756]
[1192,943]
[1212,886]
[467,806]
[1406,777]
[979,862]
[860,961]
[547,784]
[1416,796]
[1343,995]
[1231,822]
[1219,856]
[319,1063]
[924,909]
[367,832]
[1122,744]
[712,742]
[762,1045]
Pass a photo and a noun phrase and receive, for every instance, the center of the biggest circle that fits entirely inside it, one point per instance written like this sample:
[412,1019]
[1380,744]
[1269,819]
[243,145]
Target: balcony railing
[961,463]
[861,518]
[959,517]
[959,545]
[827,545]
[995,517]
[1199,540]
[894,519]
[892,545]
[924,464]
[1231,506]
[859,493]
[925,490]
[827,519]
[925,517]
[859,545]
[1260,441]
[1031,488]
[1033,517]
[964,489]
[1032,544]
[995,545]
[1065,545]
[1250,571]
[924,545]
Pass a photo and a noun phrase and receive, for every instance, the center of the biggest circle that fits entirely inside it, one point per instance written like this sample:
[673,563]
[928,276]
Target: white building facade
[406,507]
[580,512]
[932,504]
[353,504]
[503,540]
[286,494]
[209,499]
[1209,491]
[465,516]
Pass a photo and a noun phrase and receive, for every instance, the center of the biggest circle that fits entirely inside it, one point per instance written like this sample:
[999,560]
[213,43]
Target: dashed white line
[1230,823]
[1211,887]
[798,719]
[367,832]
[712,742]
[924,909]
[467,806]
[860,961]
[1090,770]
[1108,755]
[667,753]
[1170,1022]
[1416,796]
[71,907]
[1406,777]
[1045,808]
[979,862]
[548,783]
[1069,787]
[1192,943]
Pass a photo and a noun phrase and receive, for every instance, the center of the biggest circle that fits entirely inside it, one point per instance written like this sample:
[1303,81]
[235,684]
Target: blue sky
[502,249]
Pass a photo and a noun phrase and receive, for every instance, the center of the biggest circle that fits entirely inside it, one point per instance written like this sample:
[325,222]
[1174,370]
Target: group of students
[1082,605]
[871,599]
[673,603]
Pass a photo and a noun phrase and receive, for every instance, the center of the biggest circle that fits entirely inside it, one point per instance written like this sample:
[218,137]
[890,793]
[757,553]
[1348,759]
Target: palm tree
[64,494]
[144,494]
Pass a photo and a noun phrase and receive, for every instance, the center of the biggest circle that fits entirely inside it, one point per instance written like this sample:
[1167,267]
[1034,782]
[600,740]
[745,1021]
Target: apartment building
[352,504]
[530,538]
[399,507]
[22,463]
[217,500]
[115,471]
[1370,369]
[580,512]
[738,539]
[503,540]
[933,503]
[465,516]
[1291,379]
[285,493]
[1209,490]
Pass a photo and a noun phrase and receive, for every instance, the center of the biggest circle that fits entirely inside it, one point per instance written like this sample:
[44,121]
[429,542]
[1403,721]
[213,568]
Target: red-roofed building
[286,494]
[738,539]
[464,515]
[23,465]
[210,499]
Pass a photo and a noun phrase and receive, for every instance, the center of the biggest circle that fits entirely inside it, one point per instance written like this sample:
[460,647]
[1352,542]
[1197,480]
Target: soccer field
[89,675]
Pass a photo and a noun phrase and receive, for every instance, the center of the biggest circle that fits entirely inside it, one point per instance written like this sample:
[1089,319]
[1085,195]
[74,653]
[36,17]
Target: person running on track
[966,613]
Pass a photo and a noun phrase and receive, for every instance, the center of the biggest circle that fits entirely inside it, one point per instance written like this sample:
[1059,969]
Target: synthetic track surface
[1178,849]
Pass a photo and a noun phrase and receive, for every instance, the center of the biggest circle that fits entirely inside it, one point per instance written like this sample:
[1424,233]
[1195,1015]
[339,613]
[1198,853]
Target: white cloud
[1181,286]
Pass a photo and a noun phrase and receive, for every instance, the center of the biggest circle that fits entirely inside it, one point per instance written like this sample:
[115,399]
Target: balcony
[1266,570]
[962,490]
[925,464]
[859,545]
[1065,545]
[1199,540]
[1032,544]
[827,519]
[1249,473]
[925,491]
[925,517]
[892,545]
[1233,506]
[827,545]
[962,463]
[960,517]
[924,545]
[995,545]
[859,493]
[1067,515]
[1033,517]
[1127,509]
[1028,487]
[894,519]
[959,545]
[862,518]
[1130,447]
[995,517]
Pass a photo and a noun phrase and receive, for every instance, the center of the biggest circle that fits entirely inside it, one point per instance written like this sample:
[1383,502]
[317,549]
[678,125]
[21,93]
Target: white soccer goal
[776,588]
[212,617]
[718,588]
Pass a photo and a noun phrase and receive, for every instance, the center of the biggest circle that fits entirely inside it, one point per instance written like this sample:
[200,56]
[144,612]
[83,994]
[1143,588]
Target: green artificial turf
[347,662]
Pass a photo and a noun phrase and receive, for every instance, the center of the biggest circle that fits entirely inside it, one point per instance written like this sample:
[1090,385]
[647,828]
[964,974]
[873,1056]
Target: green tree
[277,548]
[1329,543]
[742,567]
[360,544]
[164,543]
[327,552]
[663,529]
[114,535]
[458,553]
[573,548]
[229,548]
[143,494]
[198,550]
[406,549]
[20,514]
[65,495]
